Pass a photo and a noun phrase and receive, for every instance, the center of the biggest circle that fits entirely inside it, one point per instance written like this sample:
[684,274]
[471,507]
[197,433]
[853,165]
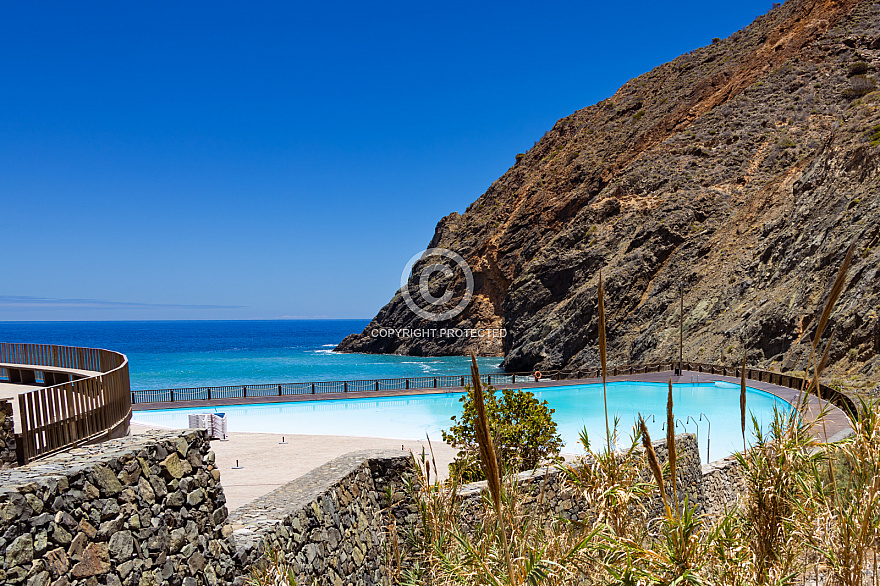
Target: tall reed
[489,460]
[742,400]
[603,355]
[653,463]
[836,290]
[670,446]
[815,384]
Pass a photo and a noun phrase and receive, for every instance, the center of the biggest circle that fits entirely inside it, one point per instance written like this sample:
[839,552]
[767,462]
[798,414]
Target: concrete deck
[77,371]
[267,464]
[11,391]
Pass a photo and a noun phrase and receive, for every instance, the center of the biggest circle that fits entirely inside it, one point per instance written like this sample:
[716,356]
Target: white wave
[323,351]
[329,345]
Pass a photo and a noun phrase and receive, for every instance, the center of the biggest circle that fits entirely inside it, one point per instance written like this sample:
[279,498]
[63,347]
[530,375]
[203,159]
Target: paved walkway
[266,464]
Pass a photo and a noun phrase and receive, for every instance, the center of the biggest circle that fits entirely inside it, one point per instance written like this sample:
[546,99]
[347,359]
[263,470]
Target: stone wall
[149,510]
[8,458]
[723,484]
[140,510]
[547,491]
[331,523]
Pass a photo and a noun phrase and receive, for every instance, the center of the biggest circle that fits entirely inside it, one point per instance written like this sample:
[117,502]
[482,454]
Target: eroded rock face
[740,172]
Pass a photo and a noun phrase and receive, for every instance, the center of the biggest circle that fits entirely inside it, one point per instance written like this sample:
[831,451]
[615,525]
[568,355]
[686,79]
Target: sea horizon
[166,354]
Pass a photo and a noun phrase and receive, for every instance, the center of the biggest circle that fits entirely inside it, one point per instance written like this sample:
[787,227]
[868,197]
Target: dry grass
[790,517]
[797,509]
[806,503]
[273,570]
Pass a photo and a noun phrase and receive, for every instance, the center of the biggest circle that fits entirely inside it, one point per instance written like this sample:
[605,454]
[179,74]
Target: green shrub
[858,68]
[523,430]
[859,86]
[520,157]
[874,135]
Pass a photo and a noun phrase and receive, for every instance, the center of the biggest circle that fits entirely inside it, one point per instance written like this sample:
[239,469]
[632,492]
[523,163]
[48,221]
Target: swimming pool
[410,417]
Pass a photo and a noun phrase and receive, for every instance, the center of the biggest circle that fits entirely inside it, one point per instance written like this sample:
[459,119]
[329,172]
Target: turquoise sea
[174,354]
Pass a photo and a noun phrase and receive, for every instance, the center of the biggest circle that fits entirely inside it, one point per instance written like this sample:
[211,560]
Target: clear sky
[239,160]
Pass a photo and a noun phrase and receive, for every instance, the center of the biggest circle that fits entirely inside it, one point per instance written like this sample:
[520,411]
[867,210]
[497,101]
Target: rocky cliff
[739,172]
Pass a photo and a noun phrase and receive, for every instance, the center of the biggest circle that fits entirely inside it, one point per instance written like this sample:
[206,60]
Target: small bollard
[237,467]
[282,442]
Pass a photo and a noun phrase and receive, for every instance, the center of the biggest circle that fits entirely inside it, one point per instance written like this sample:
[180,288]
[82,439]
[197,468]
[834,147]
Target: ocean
[174,354]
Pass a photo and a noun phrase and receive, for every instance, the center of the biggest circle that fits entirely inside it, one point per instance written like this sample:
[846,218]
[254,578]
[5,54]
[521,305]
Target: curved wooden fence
[81,411]
[767,376]
[359,387]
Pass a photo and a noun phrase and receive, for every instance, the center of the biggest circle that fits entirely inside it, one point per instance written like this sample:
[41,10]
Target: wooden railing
[780,379]
[53,356]
[458,381]
[755,374]
[72,413]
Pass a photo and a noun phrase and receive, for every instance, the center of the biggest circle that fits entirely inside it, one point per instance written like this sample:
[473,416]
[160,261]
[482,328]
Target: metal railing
[372,385]
[72,413]
[319,387]
[459,381]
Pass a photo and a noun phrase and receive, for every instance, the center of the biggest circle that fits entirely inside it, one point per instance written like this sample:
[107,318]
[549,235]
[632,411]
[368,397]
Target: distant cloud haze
[40,303]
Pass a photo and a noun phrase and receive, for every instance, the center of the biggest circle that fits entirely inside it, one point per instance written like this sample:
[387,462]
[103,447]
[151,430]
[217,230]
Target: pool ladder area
[684,424]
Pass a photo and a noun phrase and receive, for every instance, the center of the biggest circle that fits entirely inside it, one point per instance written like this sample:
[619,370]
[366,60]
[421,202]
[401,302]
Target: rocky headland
[737,175]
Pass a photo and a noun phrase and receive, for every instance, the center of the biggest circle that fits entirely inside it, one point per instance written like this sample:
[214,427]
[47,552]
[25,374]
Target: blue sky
[231,160]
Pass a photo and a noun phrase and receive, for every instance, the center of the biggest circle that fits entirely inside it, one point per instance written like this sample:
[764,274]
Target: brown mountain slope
[741,170]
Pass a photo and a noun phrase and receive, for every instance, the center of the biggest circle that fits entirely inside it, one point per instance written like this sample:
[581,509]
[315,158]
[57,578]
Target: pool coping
[836,423]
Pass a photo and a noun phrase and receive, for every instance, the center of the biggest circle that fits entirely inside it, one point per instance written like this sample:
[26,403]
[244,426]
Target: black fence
[459,381]
[320,387]
[373,385]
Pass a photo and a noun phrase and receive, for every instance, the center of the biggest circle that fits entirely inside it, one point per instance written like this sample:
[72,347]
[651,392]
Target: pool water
[411,417]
